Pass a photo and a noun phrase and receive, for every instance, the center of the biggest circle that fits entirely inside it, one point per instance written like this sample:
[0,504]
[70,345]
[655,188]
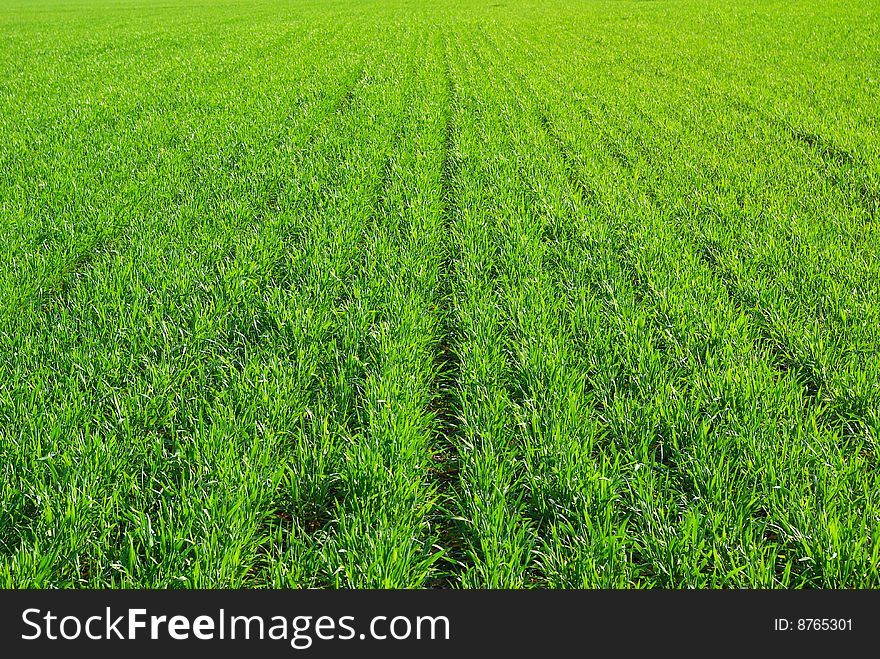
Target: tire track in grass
[447,364]
[260,381]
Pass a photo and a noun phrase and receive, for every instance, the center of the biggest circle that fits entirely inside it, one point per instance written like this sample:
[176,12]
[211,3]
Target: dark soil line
[445,474]
[347,99]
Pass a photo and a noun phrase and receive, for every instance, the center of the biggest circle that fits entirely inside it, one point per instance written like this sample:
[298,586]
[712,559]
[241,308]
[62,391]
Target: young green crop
[452,294]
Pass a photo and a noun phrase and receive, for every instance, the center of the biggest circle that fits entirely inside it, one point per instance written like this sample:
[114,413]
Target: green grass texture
[439,293]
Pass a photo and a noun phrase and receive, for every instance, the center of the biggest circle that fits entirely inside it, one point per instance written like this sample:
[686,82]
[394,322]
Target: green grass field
[350,293]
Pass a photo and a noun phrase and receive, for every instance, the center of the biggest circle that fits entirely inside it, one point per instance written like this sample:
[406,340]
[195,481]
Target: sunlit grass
[361,294]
